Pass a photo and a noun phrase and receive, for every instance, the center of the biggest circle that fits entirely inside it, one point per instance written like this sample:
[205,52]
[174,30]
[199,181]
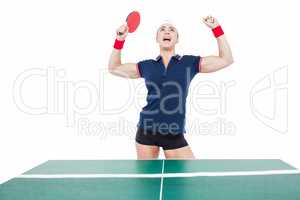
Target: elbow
[111,69]
[229,61]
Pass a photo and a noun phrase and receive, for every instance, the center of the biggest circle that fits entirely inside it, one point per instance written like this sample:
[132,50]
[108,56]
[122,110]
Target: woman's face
[167,36]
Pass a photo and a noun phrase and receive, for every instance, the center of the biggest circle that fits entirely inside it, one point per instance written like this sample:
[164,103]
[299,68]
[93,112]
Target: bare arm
[224,59]
[126,70]
[115,65]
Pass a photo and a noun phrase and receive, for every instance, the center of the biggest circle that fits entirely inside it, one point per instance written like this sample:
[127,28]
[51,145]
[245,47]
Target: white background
[74,39]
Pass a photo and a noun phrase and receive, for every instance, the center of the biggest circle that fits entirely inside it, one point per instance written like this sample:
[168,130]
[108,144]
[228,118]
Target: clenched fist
[211,22]
[122,32]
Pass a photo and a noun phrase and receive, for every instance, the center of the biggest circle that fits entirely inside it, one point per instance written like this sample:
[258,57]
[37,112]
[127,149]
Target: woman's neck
[167,55]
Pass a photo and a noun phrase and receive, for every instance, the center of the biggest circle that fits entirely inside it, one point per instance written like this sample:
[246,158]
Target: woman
[167,78]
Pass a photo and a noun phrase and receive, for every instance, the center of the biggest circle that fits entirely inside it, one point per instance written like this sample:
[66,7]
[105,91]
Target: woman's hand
[122,32]
[211,22]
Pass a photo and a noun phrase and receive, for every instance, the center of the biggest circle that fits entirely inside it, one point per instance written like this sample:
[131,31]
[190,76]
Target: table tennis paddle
[133,21]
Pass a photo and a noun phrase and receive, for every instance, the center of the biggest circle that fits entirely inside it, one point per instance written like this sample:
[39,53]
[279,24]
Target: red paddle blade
[133,21]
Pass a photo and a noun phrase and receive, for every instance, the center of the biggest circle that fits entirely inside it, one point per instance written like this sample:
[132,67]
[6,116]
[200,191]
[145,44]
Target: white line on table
[162,180]
[162,175]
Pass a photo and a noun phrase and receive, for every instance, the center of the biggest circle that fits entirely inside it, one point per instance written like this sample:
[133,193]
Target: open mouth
[167,39]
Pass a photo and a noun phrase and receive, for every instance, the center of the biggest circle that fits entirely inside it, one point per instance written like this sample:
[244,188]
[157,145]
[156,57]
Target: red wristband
[217,31]
[119,44]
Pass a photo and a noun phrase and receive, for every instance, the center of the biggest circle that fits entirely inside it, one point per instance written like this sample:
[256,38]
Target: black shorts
[166,141]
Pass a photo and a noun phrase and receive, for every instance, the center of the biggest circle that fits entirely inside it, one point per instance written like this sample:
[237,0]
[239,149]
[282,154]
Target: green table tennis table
[156,180]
